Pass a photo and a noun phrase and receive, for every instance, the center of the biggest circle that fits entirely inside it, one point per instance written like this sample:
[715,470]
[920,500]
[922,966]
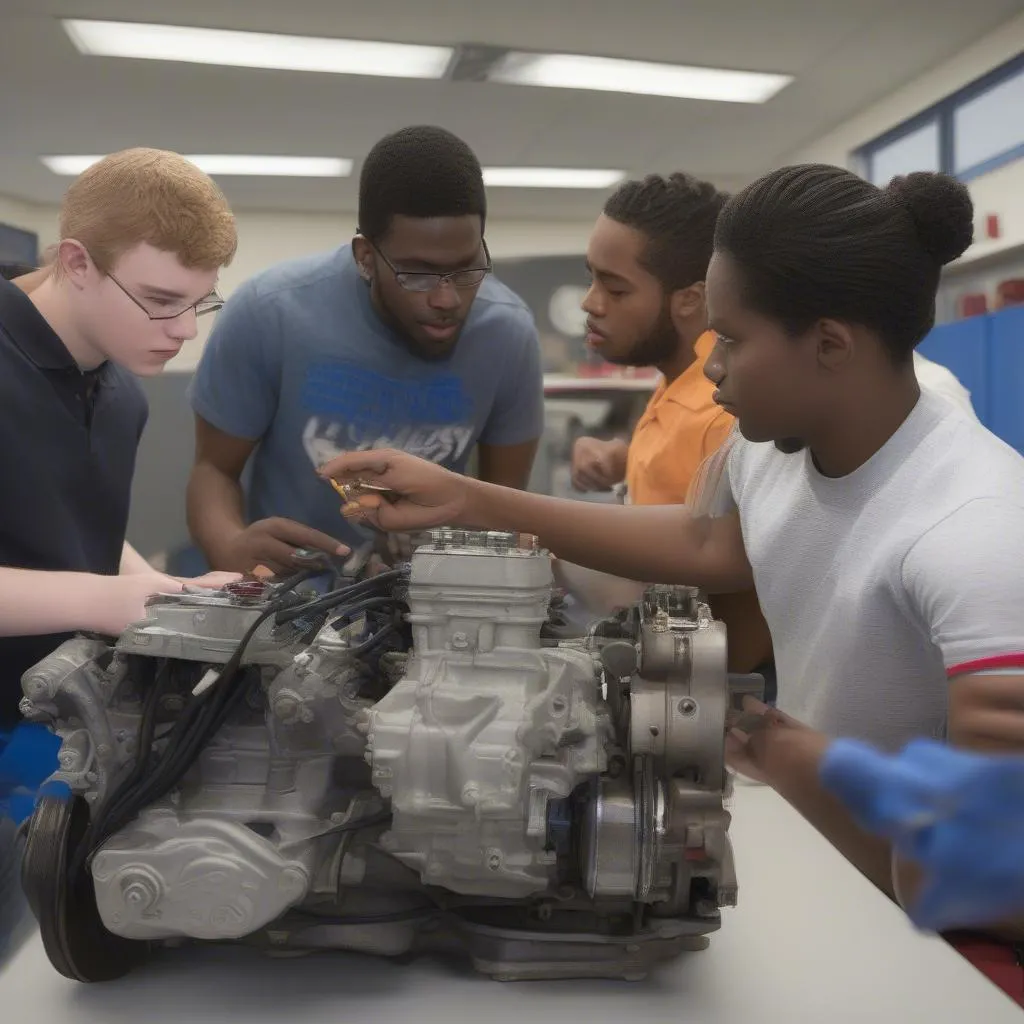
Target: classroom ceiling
[844,54]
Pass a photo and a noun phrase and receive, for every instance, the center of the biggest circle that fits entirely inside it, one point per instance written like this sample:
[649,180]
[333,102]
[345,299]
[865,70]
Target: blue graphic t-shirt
[300,361]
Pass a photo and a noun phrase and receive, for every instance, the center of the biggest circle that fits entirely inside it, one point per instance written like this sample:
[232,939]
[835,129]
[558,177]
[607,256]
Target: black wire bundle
[339,597]
[152,776]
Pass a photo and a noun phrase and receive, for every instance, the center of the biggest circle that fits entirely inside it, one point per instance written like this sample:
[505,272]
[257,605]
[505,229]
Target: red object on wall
[973,304]
[1010,293]
[992,229]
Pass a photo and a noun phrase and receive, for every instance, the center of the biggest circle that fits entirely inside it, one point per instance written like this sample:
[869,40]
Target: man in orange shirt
[647,258]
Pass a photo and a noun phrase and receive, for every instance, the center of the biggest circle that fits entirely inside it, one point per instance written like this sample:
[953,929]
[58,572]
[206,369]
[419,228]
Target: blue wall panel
[963,347]
[1006,383]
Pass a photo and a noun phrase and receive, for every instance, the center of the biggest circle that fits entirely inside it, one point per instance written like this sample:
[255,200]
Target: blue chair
[28,756]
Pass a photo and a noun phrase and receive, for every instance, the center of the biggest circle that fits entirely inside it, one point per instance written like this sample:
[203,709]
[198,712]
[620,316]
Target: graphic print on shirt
[355,409]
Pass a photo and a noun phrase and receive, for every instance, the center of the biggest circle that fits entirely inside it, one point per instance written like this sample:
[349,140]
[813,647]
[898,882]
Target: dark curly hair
[677,215]
[813,242]
[421,171]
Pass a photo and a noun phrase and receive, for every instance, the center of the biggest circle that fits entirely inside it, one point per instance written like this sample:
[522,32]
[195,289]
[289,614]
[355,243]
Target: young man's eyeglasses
[171,309]
[418,281]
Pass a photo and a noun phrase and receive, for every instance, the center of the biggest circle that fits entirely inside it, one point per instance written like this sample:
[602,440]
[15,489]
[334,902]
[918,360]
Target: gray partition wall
[157,521]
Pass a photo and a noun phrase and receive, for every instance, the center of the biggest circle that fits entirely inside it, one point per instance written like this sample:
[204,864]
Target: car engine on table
[418,762]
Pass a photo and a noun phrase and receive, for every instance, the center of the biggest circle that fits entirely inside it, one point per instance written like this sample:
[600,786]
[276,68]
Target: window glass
[918,150]
[989,125]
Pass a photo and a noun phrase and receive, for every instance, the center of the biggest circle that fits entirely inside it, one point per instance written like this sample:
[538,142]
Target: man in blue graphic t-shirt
[402,339]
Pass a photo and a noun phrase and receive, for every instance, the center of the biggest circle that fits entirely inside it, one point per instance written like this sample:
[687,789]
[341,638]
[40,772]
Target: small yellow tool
[351,492]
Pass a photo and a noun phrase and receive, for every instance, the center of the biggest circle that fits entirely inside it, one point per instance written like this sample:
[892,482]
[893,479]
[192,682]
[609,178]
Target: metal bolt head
[137,896]
[285,707]
[139,892]
[36,688]
[292,881]
[688,707]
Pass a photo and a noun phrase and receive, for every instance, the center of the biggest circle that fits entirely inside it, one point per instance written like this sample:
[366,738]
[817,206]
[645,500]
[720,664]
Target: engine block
[269,765]
[486,727]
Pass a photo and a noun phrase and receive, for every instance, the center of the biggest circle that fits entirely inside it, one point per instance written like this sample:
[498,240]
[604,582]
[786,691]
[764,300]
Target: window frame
[943,113]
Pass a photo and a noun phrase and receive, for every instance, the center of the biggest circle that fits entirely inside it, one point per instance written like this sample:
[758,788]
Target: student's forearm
[656,544]
[215,508]
[132,561]
[791,760]
[34,603]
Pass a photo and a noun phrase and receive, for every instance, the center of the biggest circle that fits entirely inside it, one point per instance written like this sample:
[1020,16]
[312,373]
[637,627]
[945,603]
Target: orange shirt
[679,429]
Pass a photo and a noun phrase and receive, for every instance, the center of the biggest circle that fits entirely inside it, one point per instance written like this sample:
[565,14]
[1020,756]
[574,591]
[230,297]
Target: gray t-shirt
[300,361]
[881,586]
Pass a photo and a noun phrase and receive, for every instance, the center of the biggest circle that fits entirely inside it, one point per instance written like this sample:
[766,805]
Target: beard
[657,346]
[423,348]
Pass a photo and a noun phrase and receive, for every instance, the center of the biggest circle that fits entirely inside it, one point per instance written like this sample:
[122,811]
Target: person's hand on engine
[112,603]
[598,465]
[273,543]
[752,742]
[209,581]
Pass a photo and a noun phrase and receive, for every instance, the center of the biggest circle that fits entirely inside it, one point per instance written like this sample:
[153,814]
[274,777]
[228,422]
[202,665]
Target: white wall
[27,217]
[267,238]
[1000,192]
[968,65]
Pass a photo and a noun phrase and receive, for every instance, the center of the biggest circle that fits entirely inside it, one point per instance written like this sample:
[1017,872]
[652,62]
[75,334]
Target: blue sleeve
[238,380]
[518,413]
[958,815]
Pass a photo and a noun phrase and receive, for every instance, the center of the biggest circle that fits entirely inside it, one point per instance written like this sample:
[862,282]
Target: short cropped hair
[677,216]
[420,171]
[149,196]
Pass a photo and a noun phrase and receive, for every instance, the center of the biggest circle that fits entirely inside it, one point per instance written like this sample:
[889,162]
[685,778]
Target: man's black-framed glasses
[420,281]
[171,309]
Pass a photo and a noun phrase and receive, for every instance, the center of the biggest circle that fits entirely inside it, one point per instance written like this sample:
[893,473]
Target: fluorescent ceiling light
[608,74]
[230,164]
[257,49]
[550,177]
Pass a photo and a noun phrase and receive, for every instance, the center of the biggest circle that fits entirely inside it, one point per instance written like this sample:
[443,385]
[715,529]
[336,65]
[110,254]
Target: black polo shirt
[68,441]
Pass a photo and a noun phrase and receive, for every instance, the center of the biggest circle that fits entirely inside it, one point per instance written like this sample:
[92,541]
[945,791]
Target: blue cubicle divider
[963,347]
[986,353]
[1006,366]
